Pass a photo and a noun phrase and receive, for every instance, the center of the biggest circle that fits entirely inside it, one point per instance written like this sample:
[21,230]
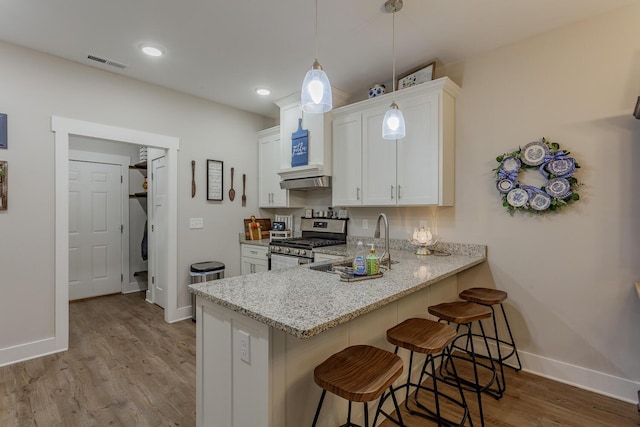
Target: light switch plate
[196,223]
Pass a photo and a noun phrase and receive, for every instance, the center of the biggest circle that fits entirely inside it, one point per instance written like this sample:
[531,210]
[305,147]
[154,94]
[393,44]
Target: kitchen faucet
[386,255]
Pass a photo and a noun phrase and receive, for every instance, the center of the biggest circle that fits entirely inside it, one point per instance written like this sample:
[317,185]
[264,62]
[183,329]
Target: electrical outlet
[423,224]
[365,224]
[245,346]
[196,223]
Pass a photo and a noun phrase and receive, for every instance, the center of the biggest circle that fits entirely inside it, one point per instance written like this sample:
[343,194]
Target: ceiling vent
[107,61]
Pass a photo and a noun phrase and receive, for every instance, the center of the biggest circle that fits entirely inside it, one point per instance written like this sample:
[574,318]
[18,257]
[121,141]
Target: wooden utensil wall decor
[193,178]
[232,192]
[244,186]
[3,185]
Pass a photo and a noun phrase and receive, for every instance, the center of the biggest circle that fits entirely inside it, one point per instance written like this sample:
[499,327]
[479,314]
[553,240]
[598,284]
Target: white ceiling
[223,50]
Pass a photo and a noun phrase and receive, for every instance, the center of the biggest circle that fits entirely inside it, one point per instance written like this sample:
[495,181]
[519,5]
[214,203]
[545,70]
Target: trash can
[203,272]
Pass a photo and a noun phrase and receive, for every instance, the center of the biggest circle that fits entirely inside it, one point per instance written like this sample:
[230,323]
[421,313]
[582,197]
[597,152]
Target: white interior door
[95,234]
[158,228]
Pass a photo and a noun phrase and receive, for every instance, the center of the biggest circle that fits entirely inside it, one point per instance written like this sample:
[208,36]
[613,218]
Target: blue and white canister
[376,90]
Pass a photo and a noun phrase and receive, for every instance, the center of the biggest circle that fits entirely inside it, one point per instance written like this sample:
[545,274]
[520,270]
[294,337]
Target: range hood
[306,184]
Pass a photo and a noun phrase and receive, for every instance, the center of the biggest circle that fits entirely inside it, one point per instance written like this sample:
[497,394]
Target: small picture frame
[214,180]
[3,131]
[4,188]
[422,74]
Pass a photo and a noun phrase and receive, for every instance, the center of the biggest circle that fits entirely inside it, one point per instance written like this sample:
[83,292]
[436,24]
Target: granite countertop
[304,302]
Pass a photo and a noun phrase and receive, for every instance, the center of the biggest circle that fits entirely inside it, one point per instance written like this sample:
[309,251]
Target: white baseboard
[182,313]
[27,351]
[588,379]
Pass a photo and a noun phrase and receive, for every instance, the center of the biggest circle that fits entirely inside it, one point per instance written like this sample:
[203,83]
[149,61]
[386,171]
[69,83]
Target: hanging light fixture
[393,122]
[316,89]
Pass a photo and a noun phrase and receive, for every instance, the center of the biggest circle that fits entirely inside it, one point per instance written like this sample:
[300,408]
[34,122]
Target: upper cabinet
[270,195]
[413,171]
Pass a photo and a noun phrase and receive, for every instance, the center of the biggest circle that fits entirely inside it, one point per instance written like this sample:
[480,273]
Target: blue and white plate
[558,187]
[533,153]
[561,166]
[504,185]
[517,197]
[510,164]
[540,202]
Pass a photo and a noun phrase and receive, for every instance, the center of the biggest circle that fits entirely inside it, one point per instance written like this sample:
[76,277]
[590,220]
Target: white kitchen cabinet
[270,195]
[347,160]
[253,259]
[413,171]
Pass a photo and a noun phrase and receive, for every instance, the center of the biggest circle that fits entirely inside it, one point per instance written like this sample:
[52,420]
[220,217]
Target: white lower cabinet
[413,171]
[254,259]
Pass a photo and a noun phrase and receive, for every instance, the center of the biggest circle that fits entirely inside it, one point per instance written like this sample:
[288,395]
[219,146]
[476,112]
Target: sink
[328,267]
[336,267]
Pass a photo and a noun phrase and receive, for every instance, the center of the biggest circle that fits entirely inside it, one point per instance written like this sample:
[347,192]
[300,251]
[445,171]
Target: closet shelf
[139,165]
[136,195]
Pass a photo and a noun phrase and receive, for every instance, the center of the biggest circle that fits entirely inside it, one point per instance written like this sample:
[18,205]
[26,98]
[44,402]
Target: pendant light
[393,122]
[316,89]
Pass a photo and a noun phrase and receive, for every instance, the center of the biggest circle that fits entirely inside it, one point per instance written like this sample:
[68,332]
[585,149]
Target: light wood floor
[127,367]
[531,400]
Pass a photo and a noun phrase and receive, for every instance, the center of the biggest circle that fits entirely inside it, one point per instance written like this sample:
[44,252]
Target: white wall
[36,86]
[569,275]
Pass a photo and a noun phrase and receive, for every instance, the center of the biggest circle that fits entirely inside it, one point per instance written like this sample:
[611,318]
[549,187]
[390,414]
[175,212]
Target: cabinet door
[418,153]
[269,153]
[260,265]
[379,157]
[347,160]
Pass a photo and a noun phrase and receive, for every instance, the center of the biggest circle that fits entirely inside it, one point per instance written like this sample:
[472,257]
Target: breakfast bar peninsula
[260,336]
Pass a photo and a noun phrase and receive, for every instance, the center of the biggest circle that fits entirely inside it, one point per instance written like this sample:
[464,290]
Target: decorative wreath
[554,164]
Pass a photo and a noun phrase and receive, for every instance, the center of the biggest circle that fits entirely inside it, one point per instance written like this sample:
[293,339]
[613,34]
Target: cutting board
[265,226]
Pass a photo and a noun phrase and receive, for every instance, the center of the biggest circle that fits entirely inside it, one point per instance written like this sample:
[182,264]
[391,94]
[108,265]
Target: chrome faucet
[386,255]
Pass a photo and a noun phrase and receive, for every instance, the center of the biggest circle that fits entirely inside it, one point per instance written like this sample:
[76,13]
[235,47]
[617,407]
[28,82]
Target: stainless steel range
[316,232]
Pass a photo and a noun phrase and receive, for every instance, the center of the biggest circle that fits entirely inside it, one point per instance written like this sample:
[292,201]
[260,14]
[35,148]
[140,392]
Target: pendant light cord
[316,35]
[393,50]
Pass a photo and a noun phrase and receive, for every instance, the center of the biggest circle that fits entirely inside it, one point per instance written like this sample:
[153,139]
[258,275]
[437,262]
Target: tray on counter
[354,278]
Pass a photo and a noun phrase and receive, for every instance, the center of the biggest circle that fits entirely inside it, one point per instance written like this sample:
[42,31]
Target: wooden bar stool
[489,298]
[464,313]
[431,339]
[360,373]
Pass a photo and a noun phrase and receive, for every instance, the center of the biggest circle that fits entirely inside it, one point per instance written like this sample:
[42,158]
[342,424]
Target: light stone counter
[304,302]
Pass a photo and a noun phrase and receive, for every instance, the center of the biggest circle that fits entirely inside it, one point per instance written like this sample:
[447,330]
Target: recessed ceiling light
[263,91]
[152,50]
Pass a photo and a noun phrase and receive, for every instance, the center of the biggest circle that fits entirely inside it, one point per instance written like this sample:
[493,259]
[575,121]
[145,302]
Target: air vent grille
[107,61]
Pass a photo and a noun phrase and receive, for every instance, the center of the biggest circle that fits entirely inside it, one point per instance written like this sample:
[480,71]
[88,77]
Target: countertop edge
[308,333]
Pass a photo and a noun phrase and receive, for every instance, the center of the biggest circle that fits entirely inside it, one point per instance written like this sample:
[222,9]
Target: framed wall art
[3,131]
[422,74]
[214,180]
[3,185]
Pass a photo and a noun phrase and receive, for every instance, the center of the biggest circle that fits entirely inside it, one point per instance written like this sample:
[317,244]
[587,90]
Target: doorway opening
[63,129]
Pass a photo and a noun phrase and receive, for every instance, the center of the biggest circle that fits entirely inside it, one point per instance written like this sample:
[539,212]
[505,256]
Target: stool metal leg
[315,419]
[379,411]
[501,387]
[512,343]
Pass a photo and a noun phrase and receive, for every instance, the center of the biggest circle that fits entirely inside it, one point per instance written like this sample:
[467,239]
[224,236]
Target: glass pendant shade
[393,123]
[316,91]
